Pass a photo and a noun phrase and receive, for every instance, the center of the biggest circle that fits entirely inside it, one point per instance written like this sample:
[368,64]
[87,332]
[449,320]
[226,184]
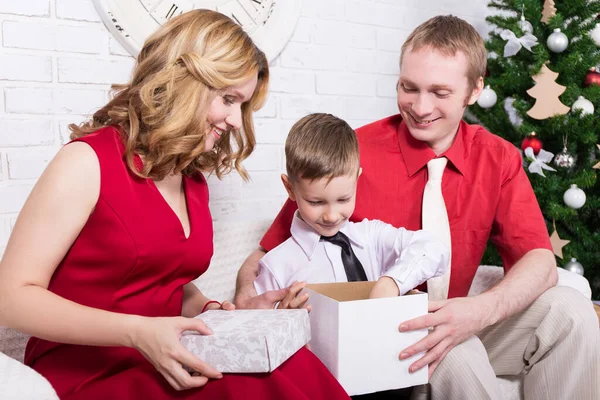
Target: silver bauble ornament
[574,266]
[525,25]
[574,197]
[583,104]
[487,98]
[564,159]
[595,35]
[557,41]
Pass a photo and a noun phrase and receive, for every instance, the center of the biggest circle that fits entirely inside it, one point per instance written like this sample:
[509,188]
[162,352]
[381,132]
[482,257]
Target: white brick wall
[56,100]
[20,67]
[57,61]
[29,7]
[54,37]
[77,70]
[76,10]
[25,132]
[29,162]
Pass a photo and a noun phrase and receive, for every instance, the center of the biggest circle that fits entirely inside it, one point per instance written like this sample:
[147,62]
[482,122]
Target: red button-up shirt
[486,191]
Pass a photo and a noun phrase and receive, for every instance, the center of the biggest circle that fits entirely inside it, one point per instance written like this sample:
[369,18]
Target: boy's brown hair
[321,146]
[449,35]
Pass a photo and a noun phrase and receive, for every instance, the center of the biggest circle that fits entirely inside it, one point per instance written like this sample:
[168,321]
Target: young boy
[322,162]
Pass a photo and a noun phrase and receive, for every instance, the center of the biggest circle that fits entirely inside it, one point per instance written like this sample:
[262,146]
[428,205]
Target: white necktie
[435,220]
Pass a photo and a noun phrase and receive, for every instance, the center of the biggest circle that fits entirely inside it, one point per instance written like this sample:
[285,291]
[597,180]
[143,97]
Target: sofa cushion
[489,275]
[12,343]
[233,242]
[19,382]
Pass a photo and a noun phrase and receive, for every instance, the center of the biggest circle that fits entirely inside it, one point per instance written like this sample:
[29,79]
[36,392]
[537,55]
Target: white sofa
[233,242]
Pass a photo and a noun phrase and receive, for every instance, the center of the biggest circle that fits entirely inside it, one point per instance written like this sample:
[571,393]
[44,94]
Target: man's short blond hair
[449,35]
[321,146]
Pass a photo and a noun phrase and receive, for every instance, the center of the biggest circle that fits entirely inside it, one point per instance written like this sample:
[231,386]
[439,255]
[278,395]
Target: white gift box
[249,340]
[357,338]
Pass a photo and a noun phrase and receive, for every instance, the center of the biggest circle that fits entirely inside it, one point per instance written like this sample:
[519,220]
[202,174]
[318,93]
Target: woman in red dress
[100,262]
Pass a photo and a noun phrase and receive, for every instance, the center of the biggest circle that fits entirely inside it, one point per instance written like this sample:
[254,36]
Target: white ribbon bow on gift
[514,43]
[538,164]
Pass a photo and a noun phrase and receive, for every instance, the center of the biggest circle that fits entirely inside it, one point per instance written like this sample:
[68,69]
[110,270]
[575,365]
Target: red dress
[132,257]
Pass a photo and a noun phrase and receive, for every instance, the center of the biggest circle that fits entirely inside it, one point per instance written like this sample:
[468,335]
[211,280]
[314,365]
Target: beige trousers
[555,343]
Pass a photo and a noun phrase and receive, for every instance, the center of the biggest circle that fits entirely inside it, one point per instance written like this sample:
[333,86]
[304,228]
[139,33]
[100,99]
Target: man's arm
[244,285]
[523,243]
[457,319]
[536,271]
[245,293]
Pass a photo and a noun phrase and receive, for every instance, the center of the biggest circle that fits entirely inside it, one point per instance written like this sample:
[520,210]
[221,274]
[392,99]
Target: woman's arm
[52,217]
[194,302]
[50,221]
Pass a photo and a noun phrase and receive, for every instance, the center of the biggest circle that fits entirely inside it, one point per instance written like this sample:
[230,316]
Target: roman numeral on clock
[172,11]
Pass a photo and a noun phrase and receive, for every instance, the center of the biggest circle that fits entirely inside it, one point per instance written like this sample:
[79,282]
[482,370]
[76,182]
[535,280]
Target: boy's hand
[384,287]
[292,300]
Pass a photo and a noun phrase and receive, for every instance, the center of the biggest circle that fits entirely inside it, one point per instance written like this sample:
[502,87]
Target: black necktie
[354,269]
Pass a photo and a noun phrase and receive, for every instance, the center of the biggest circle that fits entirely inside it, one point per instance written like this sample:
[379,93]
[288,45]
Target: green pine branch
[511,77]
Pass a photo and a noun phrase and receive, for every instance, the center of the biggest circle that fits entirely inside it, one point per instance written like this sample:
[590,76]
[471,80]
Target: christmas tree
[529,62]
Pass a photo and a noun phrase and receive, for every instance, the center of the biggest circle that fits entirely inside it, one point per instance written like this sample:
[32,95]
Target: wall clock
[270,23]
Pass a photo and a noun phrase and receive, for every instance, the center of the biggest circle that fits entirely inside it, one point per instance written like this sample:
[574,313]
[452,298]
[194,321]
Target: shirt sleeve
[519,226]
[266,279]
[408,257]
[279,231]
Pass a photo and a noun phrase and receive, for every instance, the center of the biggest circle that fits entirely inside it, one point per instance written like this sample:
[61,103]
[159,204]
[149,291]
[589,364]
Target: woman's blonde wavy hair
[162,111]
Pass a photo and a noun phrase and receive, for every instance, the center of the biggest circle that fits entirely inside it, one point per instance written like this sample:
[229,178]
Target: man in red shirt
[523,324]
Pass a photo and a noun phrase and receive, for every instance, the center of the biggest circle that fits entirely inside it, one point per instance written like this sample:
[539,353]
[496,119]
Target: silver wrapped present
[249,340]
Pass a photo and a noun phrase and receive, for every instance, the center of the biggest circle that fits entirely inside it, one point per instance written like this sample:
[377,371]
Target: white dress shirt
[409,257]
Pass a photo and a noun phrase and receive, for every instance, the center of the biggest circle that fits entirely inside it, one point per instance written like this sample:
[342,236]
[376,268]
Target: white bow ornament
[538,164]
[514,43]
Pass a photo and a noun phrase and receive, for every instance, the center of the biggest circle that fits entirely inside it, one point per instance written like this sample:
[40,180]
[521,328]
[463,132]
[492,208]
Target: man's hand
[264,301]
[292,300]
[454,321]
[287,298]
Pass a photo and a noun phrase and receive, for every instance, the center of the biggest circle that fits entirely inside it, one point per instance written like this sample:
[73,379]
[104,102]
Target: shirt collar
[308,239]
[457,153]
[417,153]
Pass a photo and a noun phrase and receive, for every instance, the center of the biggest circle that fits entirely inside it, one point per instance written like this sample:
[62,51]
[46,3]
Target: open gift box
[357,338]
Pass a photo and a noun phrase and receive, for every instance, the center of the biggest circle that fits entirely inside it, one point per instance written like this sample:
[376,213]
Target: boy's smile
[324,204]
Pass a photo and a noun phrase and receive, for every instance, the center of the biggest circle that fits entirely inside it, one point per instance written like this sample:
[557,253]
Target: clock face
[270,23]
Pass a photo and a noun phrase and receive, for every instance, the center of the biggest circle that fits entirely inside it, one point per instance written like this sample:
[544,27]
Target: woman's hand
[226,305]
[158,340]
